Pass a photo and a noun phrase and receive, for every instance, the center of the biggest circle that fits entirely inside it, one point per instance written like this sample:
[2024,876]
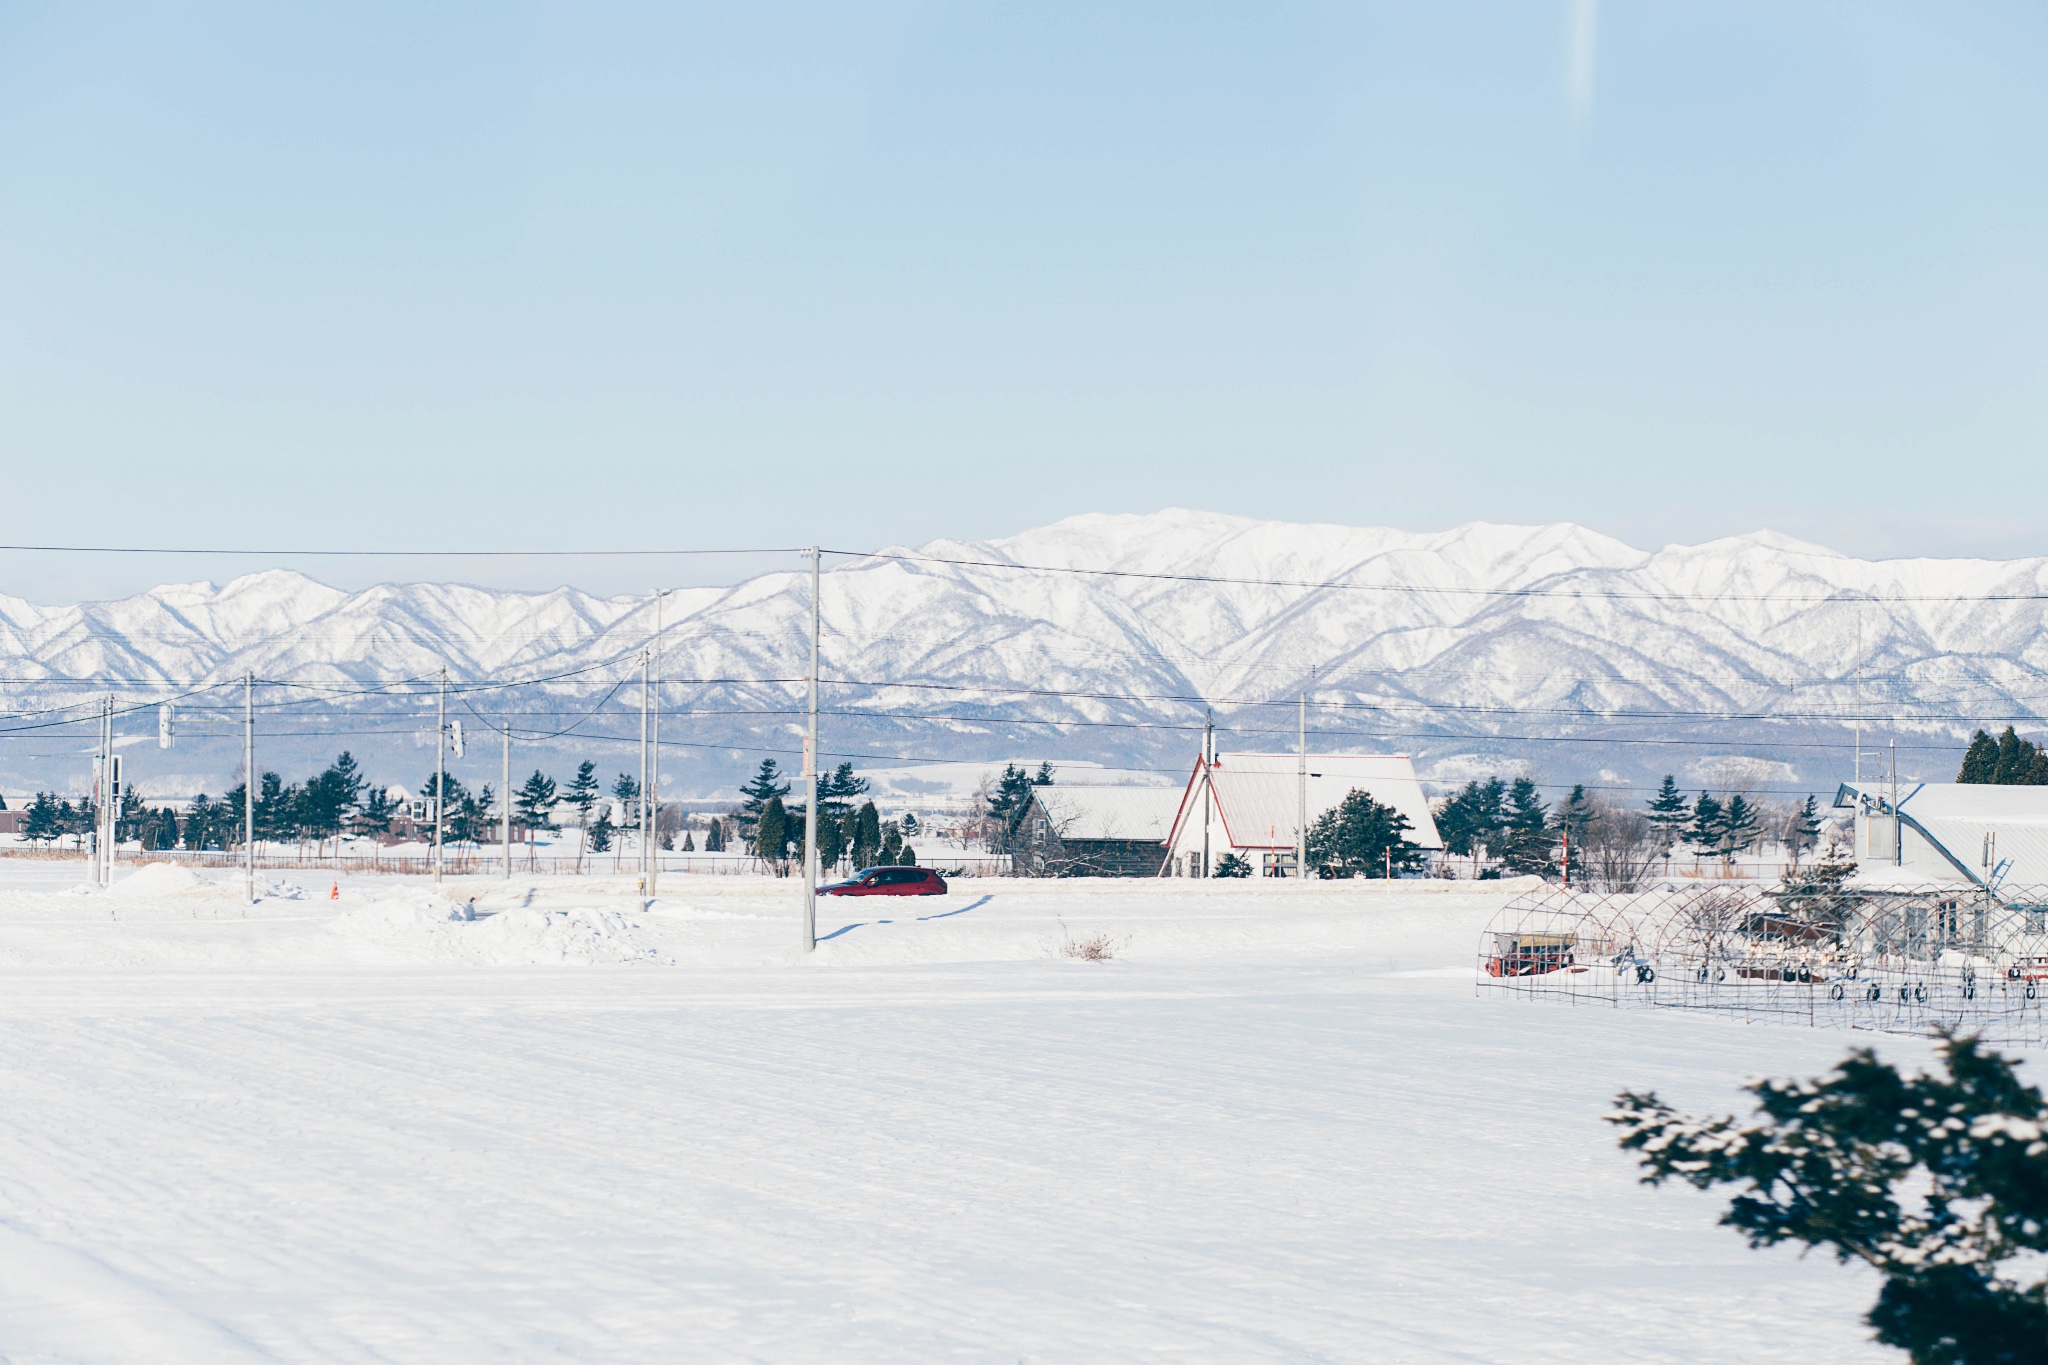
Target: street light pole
[506,778]
[249,781]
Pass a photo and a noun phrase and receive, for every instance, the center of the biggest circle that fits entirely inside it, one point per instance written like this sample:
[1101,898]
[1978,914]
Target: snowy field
[1278,1125]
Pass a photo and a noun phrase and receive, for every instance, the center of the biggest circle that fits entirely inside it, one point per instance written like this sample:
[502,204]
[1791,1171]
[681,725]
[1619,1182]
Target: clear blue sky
[421,274]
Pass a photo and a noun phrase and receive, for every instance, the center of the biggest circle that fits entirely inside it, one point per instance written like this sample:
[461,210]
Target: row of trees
[2007,761]
[855,833]
[1507,825]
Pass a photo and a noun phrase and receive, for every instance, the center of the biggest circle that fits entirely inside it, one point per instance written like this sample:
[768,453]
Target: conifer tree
[374,816]
[1980,760]
[1569,825]
[626,791]
[1526,842]
[892,844]
[910,825]
[1704,834]
[1473,818]
[2015,759]
[1669,812]
[599,833]
[1802,831]
[689,842]
[44,821]
[714,837]
[867,835]
[1932,1180]
[771,832]
[765,785]
[1740,828]
[535,805]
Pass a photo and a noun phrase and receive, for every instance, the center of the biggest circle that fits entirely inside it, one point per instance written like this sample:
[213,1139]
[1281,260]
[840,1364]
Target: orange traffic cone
[335,894]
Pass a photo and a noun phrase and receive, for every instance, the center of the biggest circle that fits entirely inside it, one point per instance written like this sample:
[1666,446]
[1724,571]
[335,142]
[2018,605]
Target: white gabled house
[1251,804]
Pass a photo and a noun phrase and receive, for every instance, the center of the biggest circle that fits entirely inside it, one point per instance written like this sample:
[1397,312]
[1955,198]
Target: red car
[889,881]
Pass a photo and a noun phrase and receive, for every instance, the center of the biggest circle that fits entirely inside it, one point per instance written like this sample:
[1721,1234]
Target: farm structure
[1251,805]
[1096,831]
[1968,833]
[1893,960]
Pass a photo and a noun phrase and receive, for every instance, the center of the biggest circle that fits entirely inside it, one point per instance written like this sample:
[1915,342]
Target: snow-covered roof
[1958,815]
[1111,812]
[1258,795]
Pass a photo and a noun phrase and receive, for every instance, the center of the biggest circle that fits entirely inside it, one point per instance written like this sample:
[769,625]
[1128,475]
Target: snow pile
[582,935]
[162,879]
[399,917]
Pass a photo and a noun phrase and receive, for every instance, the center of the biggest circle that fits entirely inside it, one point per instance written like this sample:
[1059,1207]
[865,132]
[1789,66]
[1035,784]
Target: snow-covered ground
[1277,1125]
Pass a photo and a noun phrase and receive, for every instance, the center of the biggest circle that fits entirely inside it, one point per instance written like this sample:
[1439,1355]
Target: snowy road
[991,1158]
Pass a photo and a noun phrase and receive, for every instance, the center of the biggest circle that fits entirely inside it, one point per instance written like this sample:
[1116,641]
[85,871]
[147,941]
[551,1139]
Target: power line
[1424,589]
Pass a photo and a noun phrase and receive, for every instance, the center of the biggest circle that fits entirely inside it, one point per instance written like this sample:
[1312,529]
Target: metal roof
[1110,812]
[1958,815]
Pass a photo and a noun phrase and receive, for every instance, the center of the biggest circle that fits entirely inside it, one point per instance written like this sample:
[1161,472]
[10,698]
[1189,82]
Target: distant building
[1949,832]
[1250,805]
[1095,831]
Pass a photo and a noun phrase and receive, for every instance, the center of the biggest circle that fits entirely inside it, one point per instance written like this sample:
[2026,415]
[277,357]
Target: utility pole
[249,781]
[507,798]
[1301,790]
[1208,765]
[810,777]
[440,773]
[643,771]
[1857,695]
[654,755]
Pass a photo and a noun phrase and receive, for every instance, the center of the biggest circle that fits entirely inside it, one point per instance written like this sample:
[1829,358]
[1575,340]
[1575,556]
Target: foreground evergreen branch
[1940,1182]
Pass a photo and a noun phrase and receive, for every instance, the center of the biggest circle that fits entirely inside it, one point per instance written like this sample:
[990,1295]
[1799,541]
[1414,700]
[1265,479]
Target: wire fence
[1890,960]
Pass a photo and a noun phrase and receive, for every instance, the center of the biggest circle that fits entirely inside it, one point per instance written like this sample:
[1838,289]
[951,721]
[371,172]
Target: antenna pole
[810,776]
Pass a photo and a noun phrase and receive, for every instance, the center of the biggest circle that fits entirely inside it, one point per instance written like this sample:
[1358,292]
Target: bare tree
[1621,847]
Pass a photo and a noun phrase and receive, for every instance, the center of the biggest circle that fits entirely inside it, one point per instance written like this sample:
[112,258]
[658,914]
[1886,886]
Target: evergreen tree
[581,793]
[1526,840]
[1232,865]
[1934,1181]
[598,835]
[1473,818]
[836,791]
[535,805]
[831,838]
[44,821]
[1010,804]
[908,858]
[1669,814]
[1740,828]
[1359,837]
[199,821]
[714,837]
[1704,834]
[626,791]
[2015,759]
[231,817]
[892,844]
[374,816]
[771,832]
[1980,760]
[910,826]
[689,842]
[766,785]
[866,843]
[1044,777]
[1569,826]
[1802,831]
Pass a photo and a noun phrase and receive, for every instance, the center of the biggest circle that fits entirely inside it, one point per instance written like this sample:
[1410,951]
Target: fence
[468,861]
[1897,961]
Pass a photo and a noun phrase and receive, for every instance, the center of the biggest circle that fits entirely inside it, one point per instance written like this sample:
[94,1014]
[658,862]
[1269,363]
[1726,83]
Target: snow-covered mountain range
[1105,637]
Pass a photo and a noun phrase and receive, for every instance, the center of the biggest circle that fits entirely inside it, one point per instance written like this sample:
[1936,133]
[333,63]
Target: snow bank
[162,879]
[426,927]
